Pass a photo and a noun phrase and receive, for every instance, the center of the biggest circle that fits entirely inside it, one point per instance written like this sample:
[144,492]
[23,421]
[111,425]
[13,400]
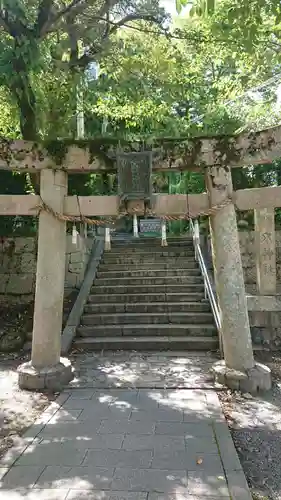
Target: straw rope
[111,221]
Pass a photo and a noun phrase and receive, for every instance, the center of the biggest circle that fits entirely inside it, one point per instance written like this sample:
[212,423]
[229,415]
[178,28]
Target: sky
[170,6]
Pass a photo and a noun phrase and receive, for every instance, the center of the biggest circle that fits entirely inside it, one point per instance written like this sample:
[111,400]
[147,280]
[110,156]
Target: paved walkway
[138,442]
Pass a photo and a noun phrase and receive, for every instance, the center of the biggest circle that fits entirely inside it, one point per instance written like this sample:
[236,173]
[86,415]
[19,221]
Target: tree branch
[43,17]
[5,23]
[133,17]
[55,17]
[14,28]
[107,15]
[108,4]
[73,41]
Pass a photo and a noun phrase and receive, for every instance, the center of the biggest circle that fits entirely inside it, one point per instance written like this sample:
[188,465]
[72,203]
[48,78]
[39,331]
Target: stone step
[156,330]
[145,237]
[151,343]
[147,307]
[151,244]
[150,289]
[144,298]
[144,273]
[168,252]
[148,260]
[155,318]
[126,266]
[164,280]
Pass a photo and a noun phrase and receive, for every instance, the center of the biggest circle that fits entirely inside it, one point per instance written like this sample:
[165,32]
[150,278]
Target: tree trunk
[22,62]
[25,98]
[105,184]
[28,120]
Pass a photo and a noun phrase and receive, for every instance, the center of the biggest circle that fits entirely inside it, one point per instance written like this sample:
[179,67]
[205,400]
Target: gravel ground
[18,409]
[255,424]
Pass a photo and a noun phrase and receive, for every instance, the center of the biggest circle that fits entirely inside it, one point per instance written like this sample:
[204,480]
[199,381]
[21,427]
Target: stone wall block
[4,278]
[28,263]
[260,335]
[76,267]
[250,275]
[71,280]
[6,262]
[76,257]
[25,244]
[260,318]
[275,319]
[247,260]
[20,284]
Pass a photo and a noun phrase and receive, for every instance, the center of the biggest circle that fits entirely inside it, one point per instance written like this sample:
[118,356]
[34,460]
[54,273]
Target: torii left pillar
[47,370]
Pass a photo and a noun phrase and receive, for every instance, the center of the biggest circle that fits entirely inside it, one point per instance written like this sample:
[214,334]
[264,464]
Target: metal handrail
[209,294]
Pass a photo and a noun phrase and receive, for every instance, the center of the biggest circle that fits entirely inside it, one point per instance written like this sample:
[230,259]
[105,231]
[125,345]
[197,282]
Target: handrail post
[205,290]
[196,237]
[163,233]
[107,239]
[135,226]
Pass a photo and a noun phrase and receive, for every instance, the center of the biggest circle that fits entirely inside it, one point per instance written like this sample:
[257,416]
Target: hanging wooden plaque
[134,176]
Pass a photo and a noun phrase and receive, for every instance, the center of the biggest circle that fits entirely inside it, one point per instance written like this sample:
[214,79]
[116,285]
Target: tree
[197,7]
[56,34]
[168,86]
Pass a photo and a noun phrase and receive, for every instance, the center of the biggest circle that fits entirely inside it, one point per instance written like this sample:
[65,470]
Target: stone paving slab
[148,370]
[86,477]
[120,458]
[106,495]
[99,443]
[187,460]
[35,495]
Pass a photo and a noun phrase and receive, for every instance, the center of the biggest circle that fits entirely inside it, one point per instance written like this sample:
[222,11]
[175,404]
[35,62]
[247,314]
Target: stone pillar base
[53,378]
[256,379]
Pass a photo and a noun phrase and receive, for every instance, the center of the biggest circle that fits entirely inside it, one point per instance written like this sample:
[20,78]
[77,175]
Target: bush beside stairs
[147,298]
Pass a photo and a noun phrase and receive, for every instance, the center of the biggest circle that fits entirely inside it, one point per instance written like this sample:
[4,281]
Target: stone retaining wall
[18,267]
[264,311]
[265,320]
[248,254]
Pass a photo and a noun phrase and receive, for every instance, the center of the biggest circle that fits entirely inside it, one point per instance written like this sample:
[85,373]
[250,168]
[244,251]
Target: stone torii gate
[215,157]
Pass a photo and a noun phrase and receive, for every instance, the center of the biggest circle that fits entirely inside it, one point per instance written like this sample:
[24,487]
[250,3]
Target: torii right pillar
[238,370]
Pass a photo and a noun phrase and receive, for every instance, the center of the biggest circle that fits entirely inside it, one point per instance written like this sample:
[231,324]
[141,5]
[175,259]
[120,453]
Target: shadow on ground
[126,437]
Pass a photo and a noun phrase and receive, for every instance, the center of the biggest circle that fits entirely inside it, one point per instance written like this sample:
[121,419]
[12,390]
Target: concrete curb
[235,477]
[77,310]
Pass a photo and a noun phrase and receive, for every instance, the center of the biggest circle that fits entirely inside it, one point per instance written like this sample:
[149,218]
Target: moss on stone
[186,149]
[226,151]
[57,150]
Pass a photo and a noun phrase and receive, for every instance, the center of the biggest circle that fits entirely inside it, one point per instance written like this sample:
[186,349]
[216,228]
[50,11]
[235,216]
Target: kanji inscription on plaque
[134,175]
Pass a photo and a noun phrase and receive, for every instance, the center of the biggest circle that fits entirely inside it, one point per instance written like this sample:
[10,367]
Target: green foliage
[151,84]
[180,4]
[15,183]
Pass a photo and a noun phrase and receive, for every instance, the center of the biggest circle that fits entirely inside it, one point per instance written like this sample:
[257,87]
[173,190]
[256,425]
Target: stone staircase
[148,298]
